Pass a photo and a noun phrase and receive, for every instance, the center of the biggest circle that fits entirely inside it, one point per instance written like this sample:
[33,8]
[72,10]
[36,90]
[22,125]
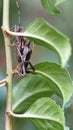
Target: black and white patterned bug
[23,53]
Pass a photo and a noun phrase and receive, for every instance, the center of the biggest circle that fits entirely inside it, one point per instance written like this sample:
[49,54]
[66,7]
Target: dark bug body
[23,53]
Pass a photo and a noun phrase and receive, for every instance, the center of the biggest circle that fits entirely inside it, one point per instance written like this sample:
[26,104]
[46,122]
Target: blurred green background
[31,9]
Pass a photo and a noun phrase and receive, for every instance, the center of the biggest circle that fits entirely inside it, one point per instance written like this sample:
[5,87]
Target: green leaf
[59,76]
[45,114]
[50,6]
[28,90]
[42,33]
[55,80]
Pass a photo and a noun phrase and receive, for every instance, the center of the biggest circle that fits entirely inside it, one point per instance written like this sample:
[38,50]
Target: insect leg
[31,66]
[23,69]
[19,70]
[11,45]
[33,69]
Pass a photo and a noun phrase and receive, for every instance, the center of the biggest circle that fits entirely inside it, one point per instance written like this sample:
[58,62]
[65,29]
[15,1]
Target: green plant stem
[8,64]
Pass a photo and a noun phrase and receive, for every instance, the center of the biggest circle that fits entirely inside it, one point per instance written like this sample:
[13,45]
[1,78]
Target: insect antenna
[19,14]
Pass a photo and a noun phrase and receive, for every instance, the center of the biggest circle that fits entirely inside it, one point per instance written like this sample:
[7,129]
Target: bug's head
[17,28]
